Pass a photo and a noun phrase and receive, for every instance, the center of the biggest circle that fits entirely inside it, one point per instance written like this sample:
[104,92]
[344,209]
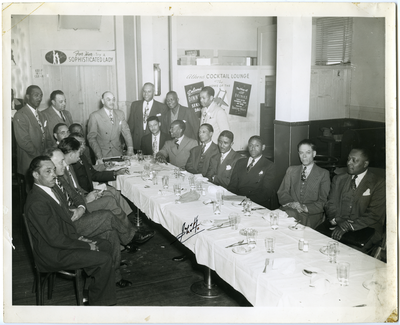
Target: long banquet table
[284,286]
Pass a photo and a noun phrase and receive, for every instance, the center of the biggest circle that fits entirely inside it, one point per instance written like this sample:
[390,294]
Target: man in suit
[357,199]
[203,159]
[57,245]
[105,127]
[56,113]
[78,129]
[60,131]
[305,188]
[141,110]
[178,149]
[177,112]
[152,143]
[254,177]
[30,130]
[226,160]
[212,113]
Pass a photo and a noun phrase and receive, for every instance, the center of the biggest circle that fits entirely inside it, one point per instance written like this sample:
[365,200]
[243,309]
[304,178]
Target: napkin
[282,214]
[212,189]
[284,265]
[188,197]
[98,186]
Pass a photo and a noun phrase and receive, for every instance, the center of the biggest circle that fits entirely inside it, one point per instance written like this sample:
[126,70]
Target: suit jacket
[104,136]
[53,233]
[257,184]
[217,117]
[147,143]
[28,136]
[224,171]
[178,157]
[86,174]
[189,116]
[210,161]
[135,120]
[315,196]
[369,205]
[53,119]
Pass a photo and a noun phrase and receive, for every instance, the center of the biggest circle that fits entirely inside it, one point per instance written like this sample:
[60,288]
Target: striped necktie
[62,116]
[353,184]
[303,174]
[111,117]
[176,143]
[146,113]
[154,146]
[203,148]
[41,126]
[251,165]
[69,200]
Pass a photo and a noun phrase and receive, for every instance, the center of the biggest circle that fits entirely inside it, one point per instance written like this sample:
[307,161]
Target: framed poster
[240,99]
[192,92]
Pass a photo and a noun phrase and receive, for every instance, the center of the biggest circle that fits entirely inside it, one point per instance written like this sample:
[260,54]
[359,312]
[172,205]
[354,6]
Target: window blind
[333,40]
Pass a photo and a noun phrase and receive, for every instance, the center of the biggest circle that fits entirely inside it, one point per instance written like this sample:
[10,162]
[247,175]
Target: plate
[369,284]
[323,250]
[297,227]
[207,223]
[242,250]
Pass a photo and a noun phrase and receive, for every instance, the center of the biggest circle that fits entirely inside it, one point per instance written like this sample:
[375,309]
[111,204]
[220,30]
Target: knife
[253,209]
[218,227]
[236,244]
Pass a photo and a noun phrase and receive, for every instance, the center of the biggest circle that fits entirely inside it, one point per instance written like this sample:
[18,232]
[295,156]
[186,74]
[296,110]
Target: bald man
[105,127]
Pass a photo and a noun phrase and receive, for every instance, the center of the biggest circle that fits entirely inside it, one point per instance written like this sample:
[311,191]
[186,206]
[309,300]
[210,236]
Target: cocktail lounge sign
[78,57]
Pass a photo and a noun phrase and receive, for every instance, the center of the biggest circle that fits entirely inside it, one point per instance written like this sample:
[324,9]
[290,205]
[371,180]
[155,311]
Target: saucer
[207,223]
[297,227]
[324,250]
[242,250]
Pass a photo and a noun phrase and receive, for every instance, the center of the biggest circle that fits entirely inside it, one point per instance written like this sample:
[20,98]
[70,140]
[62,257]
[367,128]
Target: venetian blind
[333,40]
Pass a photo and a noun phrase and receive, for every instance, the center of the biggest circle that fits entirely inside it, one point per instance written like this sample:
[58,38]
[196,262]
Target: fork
[266,264]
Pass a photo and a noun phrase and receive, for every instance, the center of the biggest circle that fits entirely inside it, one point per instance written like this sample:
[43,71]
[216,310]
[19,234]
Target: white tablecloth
[244,272]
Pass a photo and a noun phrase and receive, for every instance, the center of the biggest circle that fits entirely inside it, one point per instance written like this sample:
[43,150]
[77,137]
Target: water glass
[270,244]
[177,189]
[192,182]
[155,179]
[145,175]
[343,273]
[199,187]
[216,207]
[146,167]
[219,196]
[252,238]
[165,182]
[247,207]
[332,251]
[176,172]
[273,219]
[234,220]
[140,155]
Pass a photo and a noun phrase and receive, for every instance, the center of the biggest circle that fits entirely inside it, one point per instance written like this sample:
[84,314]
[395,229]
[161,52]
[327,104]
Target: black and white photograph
[210,162]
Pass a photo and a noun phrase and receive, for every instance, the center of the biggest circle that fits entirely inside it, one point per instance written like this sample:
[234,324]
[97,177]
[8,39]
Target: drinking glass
[252,238]
[273,218]
[192,182]
[165,182]
[332,251]
[177,189]
[155,179]
[247,207]
[343,273]
[146,166]
[216,207]
[140,155]
[199,187]
[219,196]
[145,175]
[176,172]
[234,220]
[270,244]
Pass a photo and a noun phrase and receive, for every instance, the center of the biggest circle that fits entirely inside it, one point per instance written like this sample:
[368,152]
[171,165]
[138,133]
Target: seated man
[60,132]
[178,149]
[152,142]
[227,159]
[203,159]
[305,188]
[57,245]
[357,199]
[77,128]
[254,177]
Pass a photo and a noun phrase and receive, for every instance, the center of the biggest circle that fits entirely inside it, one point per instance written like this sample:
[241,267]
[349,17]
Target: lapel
[181,113]
[228,159]
[32,117]
[256,170]
[87,167]
[312,179]
[365,184]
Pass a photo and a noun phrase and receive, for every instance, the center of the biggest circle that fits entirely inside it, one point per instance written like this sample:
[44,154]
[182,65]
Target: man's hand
[122,171]
[99,161]
[77,213]
[345,225]
[337,233]
[94,195]
[129,152]
[93,246]
[160,158]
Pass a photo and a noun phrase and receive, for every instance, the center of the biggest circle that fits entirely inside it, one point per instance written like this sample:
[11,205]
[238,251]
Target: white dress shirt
[48,191]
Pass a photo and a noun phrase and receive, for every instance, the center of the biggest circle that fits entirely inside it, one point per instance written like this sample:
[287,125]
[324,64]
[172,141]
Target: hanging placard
[78,57]
[240,99]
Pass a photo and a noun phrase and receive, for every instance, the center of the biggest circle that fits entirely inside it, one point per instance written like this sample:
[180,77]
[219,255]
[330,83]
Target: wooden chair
[41,277]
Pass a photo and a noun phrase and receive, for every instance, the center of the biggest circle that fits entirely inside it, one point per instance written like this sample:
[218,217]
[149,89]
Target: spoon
[309,272]
[236,244]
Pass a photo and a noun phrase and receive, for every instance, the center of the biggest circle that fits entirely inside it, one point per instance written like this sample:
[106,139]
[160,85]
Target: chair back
[29,233]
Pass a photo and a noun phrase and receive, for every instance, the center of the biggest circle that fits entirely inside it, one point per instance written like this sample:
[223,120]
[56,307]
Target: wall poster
[192,92]
[240,99]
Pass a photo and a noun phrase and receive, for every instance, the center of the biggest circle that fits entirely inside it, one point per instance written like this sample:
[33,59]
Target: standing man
[56,243]
[203,159]
[152,143]
[226,160]
[254,177]
[305,188]
[177,112]
[357,199]
[56,113]
[211,113]
[105,127]
[141,110]
[30,130]
[178,149]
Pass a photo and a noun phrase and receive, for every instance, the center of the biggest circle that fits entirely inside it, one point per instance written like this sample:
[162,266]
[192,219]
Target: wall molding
[292,123]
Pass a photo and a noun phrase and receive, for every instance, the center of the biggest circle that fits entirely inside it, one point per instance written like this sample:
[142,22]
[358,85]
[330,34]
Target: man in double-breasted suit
[56,243]
[357,199]
[226,160]
[105,127]
[141,110]
[56,113]
[30,131]
[254,177]
[212,113]
[178,149]
[152,142]
[203,159]
[178,112]
[305,188]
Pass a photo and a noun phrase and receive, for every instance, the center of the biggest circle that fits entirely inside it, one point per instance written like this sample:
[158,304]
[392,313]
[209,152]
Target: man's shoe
[141,237]
[123,283]
[179,258]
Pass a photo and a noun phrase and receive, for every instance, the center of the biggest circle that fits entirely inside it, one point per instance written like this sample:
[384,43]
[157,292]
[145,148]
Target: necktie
[146,113]
[303,174]
[251,165]
[69,201]
[111,117]
[62,116]
[353,185]
[222,159]
[203,117]
[203,148]
[177,144]
[155,146]
[72,178]
[41,126]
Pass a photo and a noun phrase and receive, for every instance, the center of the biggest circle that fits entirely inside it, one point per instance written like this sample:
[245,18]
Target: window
[333,40]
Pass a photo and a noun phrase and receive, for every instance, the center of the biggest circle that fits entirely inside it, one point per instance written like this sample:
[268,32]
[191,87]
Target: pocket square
[228,167]
[367,192]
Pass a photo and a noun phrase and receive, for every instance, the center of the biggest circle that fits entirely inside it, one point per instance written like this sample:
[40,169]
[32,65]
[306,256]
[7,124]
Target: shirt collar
[223,155]
[255,160]
[208,144]
[157,135]
[360,177]
[48,191]
[179,139]
[107,111]
[34,111]
[308,168]
[56,111]
[150,104]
